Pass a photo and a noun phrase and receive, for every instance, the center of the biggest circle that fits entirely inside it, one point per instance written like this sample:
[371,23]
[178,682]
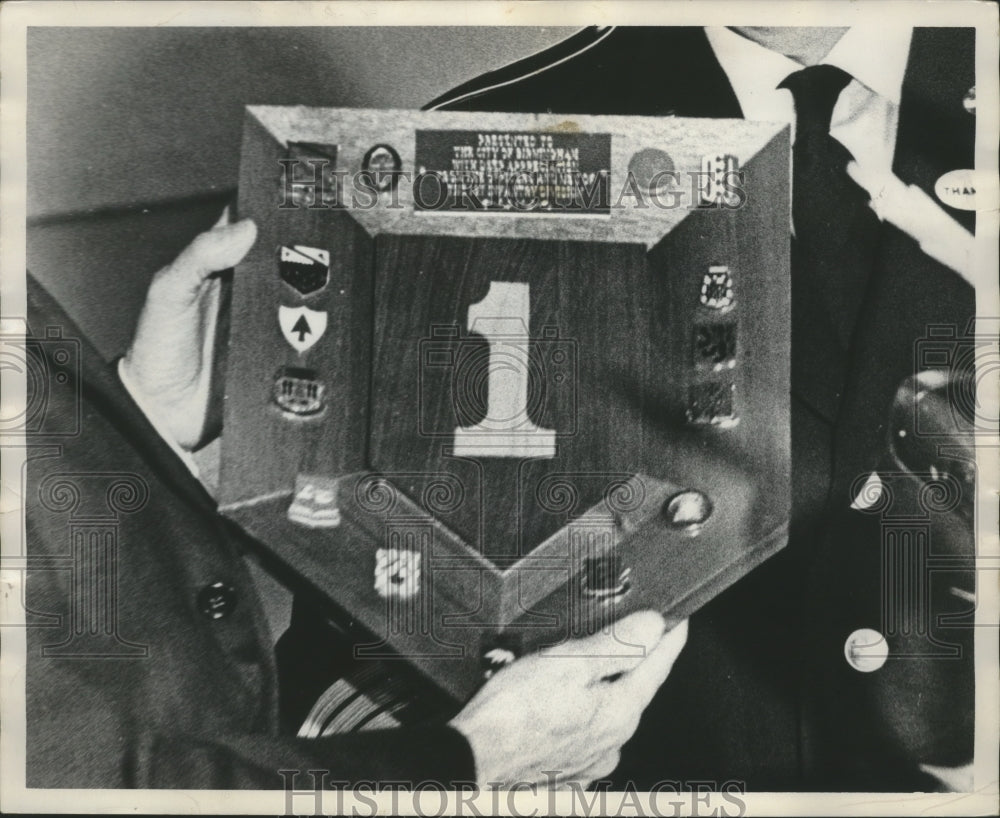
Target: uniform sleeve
[148,661]
[405,757]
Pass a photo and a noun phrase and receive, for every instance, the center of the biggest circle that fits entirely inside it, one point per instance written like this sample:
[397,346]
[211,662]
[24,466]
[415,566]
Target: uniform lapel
[908,294]
[625,71]
[936,133]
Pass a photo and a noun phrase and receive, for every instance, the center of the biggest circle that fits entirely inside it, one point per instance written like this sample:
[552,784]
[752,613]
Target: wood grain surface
[620,348]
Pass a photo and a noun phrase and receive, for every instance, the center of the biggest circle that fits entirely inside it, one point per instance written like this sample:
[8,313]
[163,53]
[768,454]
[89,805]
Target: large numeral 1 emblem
[502,318]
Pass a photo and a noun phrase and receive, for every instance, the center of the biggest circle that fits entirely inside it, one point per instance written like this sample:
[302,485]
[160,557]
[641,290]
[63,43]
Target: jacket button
[866,650]
[217,600]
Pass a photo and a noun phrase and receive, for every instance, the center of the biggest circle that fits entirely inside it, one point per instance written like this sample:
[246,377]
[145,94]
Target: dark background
[133,133]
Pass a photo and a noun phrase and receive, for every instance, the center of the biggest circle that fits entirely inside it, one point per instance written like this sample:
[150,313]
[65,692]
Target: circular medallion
[652,170]
[688,511]
[384,164]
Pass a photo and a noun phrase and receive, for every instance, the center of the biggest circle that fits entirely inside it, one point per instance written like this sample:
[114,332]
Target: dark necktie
[836,234]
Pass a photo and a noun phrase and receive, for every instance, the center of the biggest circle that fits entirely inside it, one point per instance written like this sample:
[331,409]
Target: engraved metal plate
[513,171]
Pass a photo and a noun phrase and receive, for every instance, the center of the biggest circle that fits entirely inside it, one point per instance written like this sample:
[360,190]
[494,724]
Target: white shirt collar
[875,57]
[866,116]
[754,72]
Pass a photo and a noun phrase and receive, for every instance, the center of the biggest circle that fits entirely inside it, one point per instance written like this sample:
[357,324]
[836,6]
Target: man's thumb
[217,249]
[619,647]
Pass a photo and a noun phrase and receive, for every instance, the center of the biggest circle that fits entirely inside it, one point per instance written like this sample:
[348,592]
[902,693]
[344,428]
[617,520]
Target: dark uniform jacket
[149,661]
[196,706]
[762,693]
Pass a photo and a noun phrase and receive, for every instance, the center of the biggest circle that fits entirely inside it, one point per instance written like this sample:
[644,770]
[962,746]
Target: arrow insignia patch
[301,326]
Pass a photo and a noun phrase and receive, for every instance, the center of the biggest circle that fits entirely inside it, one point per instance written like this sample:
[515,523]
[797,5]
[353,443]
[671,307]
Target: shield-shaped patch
[305,269]
[301,326]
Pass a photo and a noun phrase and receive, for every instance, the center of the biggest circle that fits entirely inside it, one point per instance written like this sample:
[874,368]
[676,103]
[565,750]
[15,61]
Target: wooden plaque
[496,380]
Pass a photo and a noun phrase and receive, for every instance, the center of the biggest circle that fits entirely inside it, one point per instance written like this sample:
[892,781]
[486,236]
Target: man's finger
[594,771]
[642,682]
[619,648]
[601,769]
[915,213]
[218,249]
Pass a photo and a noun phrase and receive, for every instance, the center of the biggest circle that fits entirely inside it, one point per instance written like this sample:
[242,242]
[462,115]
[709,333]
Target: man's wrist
[156,422]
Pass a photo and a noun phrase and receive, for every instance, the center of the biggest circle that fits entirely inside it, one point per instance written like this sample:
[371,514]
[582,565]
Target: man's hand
[567,710]
[170,360]
[920,217]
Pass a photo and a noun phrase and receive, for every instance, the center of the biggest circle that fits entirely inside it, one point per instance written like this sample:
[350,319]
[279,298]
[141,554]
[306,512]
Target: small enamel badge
[301,326]
[717,288]
[496,659]
[305,269]
[719,180]
[498,651]
[715,346]
[397,573]
[712,404]
[299,392]
[605,578]
[315,503]
[308,175]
